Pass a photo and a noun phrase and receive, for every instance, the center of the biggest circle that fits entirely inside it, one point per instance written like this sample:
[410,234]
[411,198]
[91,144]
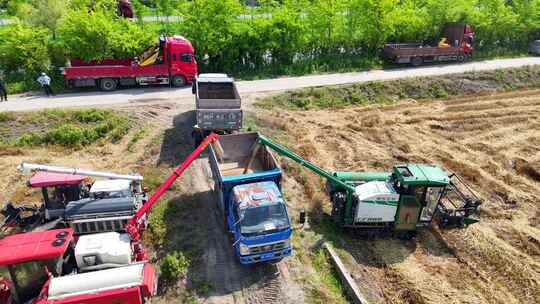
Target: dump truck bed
[412,50]
[239,154]
[237,159]
[217,102]
[216,91]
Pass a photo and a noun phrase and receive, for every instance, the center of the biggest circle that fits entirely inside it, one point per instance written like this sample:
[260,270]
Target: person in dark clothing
[45,82]
[3,90]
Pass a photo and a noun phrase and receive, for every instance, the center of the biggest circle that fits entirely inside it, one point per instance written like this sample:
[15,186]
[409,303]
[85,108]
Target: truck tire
[417,61]
[461,57]
[178,81]
[107,84]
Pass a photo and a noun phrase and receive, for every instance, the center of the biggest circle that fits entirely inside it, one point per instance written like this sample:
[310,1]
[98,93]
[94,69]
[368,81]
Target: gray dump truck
[218,106]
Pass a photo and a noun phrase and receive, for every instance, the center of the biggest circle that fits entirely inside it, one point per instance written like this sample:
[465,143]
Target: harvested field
[492,141]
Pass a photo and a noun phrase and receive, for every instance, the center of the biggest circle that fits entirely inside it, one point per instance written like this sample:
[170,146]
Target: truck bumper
[265,257]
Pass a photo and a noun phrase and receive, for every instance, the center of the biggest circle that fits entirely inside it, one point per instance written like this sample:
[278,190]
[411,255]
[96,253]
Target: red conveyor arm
[133,227]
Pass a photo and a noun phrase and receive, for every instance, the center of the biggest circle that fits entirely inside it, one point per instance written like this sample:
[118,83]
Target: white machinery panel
[111,185]
[378,202]
[375,213]
[97,281]
[103,250]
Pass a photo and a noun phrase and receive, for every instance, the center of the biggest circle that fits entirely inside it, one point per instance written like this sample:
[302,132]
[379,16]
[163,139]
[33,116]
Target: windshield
[263,220]
[432,199]
[111,194]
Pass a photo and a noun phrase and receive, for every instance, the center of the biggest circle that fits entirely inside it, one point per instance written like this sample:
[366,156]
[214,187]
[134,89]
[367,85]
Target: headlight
[244,250]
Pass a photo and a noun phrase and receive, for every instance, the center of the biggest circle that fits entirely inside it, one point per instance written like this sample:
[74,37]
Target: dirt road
[492,141]
[184,98]
[228,281]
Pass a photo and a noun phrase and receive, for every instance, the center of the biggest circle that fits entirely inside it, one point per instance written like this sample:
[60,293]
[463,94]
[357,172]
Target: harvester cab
[54,267]
[28,260]
[57,190]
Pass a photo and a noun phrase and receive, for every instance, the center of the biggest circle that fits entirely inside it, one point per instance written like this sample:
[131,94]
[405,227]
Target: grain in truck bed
[240,151]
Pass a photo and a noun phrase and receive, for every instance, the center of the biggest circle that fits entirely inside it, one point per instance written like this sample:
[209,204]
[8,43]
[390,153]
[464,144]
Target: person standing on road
[3,90]
[45,82]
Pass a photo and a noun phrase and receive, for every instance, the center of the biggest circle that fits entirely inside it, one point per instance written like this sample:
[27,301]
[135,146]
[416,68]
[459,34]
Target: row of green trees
[288,36]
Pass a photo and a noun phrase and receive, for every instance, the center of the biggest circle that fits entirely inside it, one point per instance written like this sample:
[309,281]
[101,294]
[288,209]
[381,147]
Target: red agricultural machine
[55,266]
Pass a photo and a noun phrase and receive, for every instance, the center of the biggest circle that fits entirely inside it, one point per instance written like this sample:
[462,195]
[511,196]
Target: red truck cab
[171,61]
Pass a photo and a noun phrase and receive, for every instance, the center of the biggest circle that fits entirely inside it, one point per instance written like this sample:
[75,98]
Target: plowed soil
[492,141]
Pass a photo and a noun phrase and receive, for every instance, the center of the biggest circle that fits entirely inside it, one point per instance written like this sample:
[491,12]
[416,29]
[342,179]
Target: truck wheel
[107,84]
[461,57]
[417,61]
[178,81]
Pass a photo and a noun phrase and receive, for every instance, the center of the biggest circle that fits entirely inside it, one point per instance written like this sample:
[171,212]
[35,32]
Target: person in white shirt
[45,82]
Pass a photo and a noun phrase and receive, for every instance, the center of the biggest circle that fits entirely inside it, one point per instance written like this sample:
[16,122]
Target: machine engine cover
[377,202]
[106,207]
[103,250]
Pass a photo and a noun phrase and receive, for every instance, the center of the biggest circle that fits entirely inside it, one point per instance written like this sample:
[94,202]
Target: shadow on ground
[177,142]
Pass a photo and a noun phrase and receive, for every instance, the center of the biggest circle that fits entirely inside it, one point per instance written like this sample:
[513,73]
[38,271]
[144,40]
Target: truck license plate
[267,255]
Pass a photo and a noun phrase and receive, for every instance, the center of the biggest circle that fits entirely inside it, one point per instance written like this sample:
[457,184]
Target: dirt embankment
[419,88]
[491,140]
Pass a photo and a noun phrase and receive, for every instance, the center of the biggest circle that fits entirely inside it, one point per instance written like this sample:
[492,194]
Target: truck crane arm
[134,226]
[288,153]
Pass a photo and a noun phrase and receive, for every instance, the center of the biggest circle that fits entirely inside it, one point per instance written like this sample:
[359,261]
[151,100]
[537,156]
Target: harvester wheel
[417,61]
[107,84]
[178,81]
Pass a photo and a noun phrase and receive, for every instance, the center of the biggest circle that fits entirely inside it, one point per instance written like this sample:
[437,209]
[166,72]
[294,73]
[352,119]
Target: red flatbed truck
[460,48]
[170,62]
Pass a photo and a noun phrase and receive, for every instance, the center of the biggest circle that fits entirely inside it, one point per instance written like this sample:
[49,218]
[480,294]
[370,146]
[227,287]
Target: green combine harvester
[408,198]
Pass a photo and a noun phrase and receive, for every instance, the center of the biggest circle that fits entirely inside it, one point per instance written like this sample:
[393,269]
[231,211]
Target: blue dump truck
[248,185]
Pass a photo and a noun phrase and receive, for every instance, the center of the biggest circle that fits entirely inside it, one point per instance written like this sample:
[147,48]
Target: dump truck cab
[259,212]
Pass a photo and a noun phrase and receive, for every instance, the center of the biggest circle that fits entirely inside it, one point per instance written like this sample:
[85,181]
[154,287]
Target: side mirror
[302,217]
[284,164]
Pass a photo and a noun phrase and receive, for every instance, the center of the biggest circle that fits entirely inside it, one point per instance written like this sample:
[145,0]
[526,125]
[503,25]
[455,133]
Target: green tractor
[408,198]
